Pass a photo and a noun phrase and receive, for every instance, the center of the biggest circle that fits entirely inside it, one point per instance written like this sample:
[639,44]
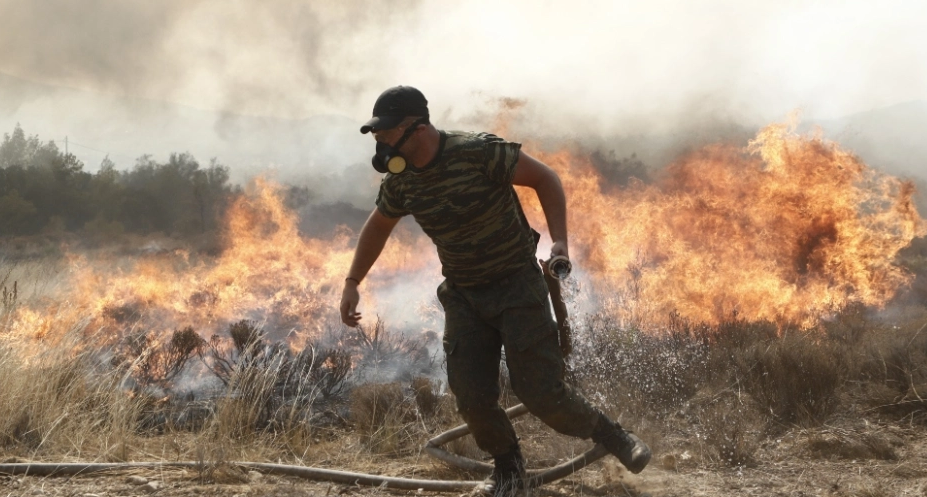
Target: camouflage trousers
[513,312]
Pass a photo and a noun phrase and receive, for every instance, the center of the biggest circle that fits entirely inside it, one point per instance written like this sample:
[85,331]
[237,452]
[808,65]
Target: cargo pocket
[443,288]
[449,345]
[522,327]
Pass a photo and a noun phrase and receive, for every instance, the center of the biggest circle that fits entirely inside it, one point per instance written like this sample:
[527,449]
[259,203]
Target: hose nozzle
[559,266]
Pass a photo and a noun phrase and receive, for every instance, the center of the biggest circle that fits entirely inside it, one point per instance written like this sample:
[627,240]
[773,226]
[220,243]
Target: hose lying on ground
[433,448]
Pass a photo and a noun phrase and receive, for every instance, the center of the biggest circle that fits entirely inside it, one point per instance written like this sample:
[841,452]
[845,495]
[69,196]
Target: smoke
[95,44]
[282,58]
[241,80]
[289,58]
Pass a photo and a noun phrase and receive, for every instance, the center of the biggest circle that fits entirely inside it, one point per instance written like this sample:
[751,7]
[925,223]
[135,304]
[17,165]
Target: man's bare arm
[535,174]
[370,244]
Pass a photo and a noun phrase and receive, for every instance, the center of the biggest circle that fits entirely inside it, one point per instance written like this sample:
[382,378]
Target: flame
[786,230]
[288,284]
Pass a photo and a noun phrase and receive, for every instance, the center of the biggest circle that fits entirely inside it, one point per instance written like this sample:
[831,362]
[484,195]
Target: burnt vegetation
[723,392]
[279,388]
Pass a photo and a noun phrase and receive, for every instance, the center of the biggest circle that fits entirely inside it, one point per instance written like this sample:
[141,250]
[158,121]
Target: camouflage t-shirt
[464,200]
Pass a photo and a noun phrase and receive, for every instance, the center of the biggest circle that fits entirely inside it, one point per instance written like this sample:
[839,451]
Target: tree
[16,214]
[16,149]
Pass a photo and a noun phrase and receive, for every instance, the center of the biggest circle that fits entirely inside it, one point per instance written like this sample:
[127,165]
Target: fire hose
[433,447]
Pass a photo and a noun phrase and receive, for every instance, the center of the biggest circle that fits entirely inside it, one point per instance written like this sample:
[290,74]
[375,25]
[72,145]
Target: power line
[67,141]
[85,146]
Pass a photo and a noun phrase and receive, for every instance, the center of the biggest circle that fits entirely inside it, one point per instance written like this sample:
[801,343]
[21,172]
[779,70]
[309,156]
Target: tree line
[44,190]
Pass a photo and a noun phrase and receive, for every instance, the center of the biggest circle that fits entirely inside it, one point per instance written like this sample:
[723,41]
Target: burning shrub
[124,314]
[247,349]
[327,370]
[383,352]
[154,364]
[850,325]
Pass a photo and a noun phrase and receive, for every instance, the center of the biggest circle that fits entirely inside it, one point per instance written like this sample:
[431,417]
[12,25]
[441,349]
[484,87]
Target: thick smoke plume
[595,71]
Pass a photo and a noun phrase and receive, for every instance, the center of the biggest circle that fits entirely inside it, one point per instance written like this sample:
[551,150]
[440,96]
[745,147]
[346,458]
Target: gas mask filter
[387,158]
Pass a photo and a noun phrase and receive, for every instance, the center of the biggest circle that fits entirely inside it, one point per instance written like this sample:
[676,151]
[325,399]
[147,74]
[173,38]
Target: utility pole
[65,146]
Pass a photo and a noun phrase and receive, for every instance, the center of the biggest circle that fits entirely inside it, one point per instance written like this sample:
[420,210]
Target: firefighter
[459,188]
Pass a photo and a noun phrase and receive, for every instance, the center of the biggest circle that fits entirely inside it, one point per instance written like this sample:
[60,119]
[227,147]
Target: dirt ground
[829,461]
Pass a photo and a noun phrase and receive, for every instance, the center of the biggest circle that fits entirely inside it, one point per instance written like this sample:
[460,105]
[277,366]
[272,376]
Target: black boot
[508,476]
[626,446]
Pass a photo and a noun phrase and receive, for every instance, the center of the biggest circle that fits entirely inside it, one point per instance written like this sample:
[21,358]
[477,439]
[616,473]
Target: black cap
[394,105]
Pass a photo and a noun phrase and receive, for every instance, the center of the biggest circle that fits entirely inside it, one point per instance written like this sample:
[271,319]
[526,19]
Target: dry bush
[385,418]
[727,343]
[267,387]
[251,371]
[895,365]
[795,378]
[427,396]
[246,348]
[327,369]
[731,430]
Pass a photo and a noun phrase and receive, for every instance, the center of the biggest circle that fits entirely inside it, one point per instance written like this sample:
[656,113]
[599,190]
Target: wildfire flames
[785,230]
[289,285]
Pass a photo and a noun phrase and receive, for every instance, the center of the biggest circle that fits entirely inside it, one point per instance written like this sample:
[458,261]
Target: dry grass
[59,402]
[724,389]
[795,378]
[384,418]
[720,392]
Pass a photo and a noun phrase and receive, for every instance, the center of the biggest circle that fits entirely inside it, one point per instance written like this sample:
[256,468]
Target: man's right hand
[350,297]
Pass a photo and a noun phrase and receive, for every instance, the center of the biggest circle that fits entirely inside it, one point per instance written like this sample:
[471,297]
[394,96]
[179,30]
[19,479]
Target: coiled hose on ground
[433,448]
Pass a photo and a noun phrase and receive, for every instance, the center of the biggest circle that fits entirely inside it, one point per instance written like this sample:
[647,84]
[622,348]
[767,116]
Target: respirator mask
[388,158]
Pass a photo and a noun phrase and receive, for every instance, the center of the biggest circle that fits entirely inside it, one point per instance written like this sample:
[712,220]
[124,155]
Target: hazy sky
[600,65]
[600,58]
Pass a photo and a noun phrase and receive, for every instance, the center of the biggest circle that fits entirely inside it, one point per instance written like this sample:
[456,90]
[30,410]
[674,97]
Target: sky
[579,68]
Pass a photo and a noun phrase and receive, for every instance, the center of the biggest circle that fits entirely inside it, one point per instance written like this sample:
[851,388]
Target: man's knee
[470,400]
[540,393]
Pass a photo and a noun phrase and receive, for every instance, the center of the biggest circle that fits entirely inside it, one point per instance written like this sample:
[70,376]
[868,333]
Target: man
[459,188]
